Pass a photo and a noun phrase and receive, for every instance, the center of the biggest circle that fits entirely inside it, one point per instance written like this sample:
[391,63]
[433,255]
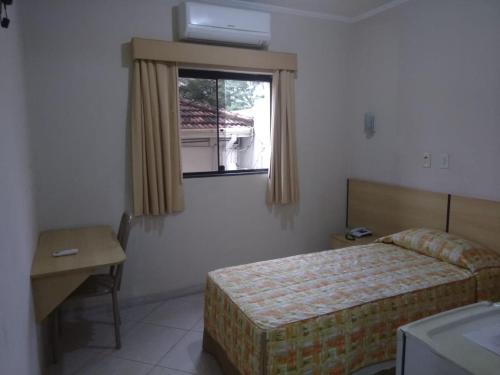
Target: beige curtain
[283,184]
[156,165]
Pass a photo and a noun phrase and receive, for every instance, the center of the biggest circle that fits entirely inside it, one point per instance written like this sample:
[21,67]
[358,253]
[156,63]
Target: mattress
[330,312]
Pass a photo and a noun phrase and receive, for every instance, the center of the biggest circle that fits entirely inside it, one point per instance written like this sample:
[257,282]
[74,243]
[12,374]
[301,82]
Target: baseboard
[103,303]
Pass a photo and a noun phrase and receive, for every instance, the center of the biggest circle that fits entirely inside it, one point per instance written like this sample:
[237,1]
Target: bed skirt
[212,347]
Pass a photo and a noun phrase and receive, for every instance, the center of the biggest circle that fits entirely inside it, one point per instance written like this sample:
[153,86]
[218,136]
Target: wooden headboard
[388,209]
[476,219]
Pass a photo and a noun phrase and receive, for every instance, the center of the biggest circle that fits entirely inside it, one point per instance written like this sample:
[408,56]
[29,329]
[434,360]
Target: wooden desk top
[98,247]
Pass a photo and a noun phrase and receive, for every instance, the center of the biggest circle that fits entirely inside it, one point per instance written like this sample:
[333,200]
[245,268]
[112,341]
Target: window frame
[216,75]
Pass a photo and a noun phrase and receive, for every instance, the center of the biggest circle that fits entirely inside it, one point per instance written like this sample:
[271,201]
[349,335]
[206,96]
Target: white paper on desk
[487,337]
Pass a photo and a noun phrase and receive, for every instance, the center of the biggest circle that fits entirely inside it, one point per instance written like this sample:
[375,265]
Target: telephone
[360,232]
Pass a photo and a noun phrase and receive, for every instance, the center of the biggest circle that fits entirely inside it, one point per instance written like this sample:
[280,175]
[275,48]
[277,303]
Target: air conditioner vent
[213,23]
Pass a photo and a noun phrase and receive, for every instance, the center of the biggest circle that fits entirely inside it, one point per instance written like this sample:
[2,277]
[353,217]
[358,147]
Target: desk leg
[53,334]
[59,321]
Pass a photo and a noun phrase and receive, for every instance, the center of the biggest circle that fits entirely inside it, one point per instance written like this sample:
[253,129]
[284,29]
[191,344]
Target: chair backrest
[123,234]
[124,229]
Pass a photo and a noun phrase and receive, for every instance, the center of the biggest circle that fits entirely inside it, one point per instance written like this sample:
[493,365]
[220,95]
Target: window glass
[225,121]
[244,124]
[198,133]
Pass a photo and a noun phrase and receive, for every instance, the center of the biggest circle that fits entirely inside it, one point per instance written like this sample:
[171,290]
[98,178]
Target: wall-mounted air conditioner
[218,24]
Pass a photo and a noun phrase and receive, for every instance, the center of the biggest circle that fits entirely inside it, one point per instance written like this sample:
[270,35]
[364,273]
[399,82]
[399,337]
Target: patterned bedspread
[330,312]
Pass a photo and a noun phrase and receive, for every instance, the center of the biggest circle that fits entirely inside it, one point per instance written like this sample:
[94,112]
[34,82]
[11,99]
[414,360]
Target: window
[225,122]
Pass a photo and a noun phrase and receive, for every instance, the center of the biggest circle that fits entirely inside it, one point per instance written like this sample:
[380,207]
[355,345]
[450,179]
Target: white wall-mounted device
[218,24]
[445,161]
[369,124]
[427,160]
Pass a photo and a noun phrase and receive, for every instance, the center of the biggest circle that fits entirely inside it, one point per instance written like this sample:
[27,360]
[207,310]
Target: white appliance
[207,22]
[462,341]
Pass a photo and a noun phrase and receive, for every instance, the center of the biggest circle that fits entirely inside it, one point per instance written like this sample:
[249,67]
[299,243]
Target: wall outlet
[427,160]
[445,161]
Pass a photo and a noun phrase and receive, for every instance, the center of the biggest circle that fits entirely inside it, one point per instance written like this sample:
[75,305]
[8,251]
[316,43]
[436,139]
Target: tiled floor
[157,339]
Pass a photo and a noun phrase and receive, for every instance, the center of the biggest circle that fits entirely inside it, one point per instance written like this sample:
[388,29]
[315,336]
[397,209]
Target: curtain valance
[215,56]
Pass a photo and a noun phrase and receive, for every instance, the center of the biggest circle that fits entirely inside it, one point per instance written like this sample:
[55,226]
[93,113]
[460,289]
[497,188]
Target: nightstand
[338,241]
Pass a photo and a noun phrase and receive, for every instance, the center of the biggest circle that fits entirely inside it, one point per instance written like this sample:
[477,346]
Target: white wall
[18,332]
[429,70]
[78,83]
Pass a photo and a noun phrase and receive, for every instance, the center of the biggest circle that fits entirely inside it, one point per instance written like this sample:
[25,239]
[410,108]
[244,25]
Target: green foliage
[233,95]
[198,90]
[236,95]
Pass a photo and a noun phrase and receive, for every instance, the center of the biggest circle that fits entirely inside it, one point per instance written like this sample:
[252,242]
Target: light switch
[427,160]
[445,161]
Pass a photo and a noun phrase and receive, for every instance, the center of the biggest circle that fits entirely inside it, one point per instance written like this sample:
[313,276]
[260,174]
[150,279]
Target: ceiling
[335,10]
[341,8]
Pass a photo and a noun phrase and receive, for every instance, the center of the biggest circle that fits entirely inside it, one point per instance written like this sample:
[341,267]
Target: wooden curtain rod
[214,56]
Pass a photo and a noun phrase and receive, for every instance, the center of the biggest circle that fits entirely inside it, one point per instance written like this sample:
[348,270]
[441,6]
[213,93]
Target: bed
[336,311]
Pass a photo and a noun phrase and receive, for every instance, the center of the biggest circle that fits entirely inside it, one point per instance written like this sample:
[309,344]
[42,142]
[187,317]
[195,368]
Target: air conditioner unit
[218,24]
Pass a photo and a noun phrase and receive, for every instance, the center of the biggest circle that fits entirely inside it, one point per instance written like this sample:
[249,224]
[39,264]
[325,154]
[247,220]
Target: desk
[54,278]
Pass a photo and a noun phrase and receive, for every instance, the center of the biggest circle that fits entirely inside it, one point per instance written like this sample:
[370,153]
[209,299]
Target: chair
[108,283]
